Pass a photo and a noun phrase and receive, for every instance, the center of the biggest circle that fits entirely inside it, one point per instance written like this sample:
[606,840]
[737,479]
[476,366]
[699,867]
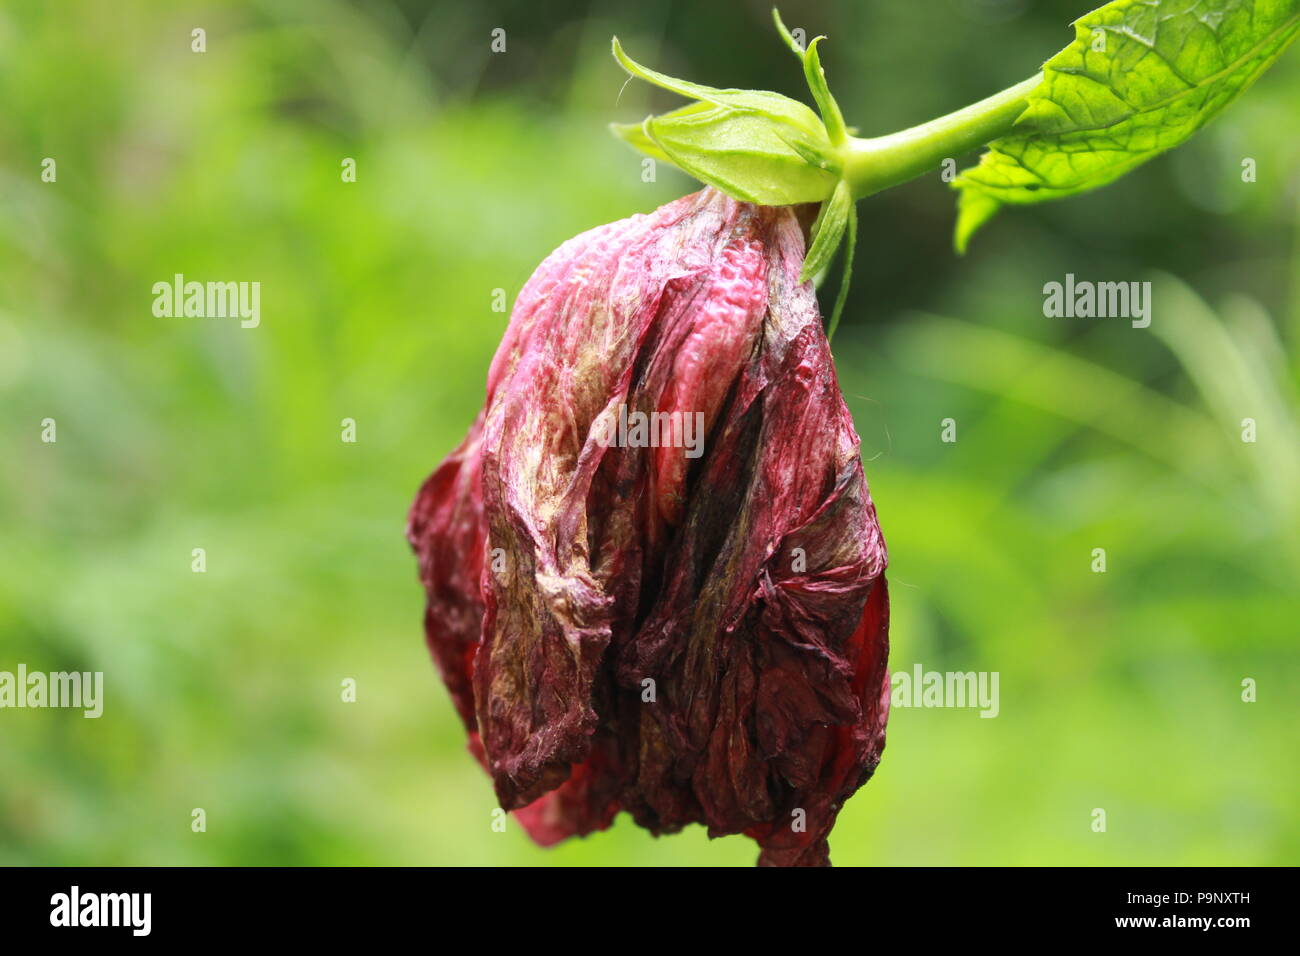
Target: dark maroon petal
[446,529]
[692,639]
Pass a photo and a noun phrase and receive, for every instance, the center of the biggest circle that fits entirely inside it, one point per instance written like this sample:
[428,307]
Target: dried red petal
[567,577]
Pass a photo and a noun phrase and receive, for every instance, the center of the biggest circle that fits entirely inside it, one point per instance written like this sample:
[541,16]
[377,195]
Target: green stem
[878,163]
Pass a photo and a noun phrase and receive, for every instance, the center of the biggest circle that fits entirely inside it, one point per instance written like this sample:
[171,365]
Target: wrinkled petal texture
[688,638]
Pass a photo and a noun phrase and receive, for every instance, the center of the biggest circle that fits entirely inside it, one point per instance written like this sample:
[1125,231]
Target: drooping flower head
[654,573]
[655,578]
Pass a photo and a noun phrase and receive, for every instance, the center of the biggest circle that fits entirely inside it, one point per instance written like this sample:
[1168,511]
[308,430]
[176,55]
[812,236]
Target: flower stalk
[874,164]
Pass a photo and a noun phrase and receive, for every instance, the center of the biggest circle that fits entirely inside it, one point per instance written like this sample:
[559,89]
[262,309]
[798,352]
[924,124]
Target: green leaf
[849,248]
[816,77]
[830,110]
[786,35]
[827,231]
[974,208]
[772,105]
[838,214]
[634,135]
[1140,77]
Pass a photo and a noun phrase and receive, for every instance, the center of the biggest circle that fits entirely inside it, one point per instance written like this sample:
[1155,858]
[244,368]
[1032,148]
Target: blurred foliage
[1119,690]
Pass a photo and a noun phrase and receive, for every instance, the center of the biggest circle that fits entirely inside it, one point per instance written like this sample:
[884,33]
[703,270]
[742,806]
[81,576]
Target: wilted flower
[625,623]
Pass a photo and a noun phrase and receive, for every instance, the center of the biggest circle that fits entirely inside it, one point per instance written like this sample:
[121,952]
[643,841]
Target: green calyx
[759,147]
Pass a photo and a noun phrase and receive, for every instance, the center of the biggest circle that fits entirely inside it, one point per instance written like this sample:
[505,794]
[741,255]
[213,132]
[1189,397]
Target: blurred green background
[1119,691]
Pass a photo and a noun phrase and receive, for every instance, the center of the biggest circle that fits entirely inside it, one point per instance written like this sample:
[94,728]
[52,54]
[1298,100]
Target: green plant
[1140,77]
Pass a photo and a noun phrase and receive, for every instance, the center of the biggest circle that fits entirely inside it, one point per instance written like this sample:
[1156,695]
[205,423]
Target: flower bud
[754,145]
